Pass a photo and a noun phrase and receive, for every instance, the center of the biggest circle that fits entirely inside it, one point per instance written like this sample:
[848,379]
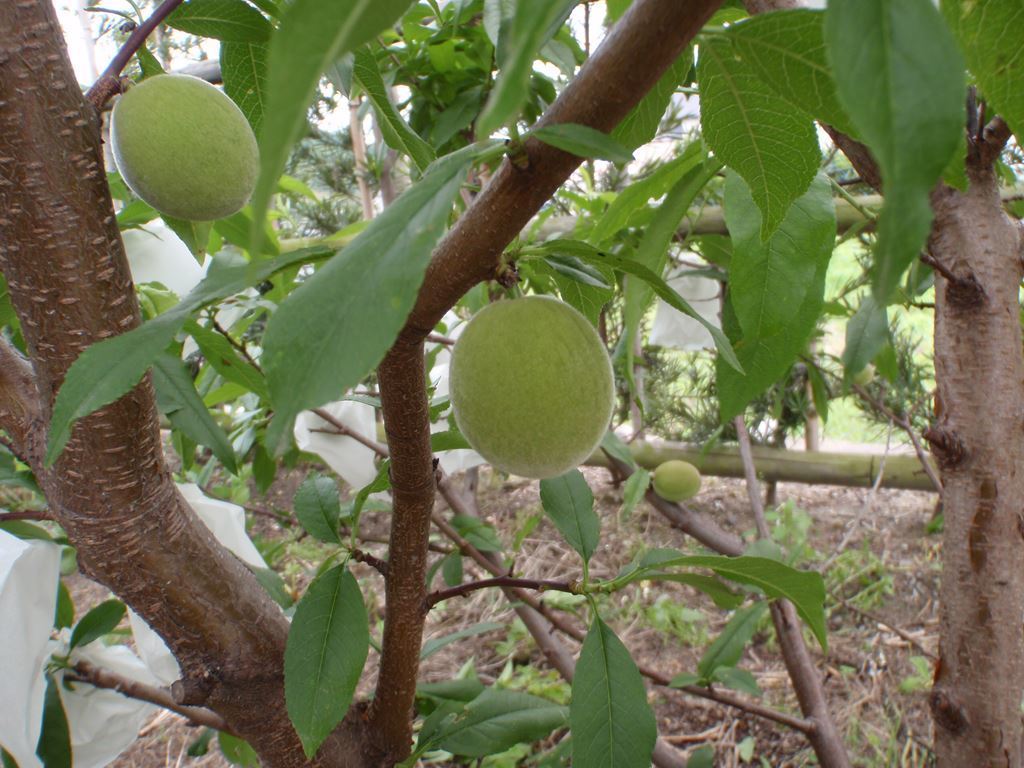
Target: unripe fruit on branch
[184,147]
[676,480]
[531,386]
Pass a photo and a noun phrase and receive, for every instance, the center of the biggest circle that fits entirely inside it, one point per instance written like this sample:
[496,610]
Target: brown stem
[25,515]
[84,672]
[20,410]
[903,423]
[501,581]
[236,344]
[108,85]
[825,738]
[355,129]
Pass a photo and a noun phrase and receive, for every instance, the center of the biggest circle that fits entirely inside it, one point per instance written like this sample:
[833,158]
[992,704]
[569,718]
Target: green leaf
[787,51]
[633,197]
[633,491]
[612,723]
[109,368]
[225,359]
[642,122]
[529,29]
[237,751]
[805,589]
[988,34]
[272,582]
[583,141]
[499,719]
[727,648]
[737,679]
[451,569]
[194,234]
[100,621]
[434,645]
[673,299]
[901,79]
[233,20]
[64,615]
[177,397]
[323,660]
[569,502]
[450,440]
[477,532]
[771,145]
[396,132]
[703,757]
[317,505]
[148,63]
[312,36]
[721,595]
[776,288]
[653,249]
[243,66]
[867,333]
[338,324]
[613,445]
[54,746]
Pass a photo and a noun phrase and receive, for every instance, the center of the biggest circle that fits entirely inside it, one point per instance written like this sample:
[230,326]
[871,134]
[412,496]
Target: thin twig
[381,566]
[541,585]
[43,515]
[85,672]
[881,622]
[903,423]
[109,83]
[236,344]
[438,338]
[379,448]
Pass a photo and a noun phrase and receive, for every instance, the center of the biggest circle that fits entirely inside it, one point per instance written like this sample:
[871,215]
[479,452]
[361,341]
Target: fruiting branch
[109,82]
[84,672]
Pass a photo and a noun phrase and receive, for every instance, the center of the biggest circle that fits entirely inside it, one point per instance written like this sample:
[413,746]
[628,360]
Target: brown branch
[39,516]
[379,448]
[825,738]
[84,672]
[381,566]
[355,130]
[903,422]
[540,585]
[236,344]
[19,399]
[109,82]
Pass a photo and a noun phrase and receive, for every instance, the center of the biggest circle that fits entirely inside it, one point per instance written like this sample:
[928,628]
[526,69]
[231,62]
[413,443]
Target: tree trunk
[62,256]
[979,408]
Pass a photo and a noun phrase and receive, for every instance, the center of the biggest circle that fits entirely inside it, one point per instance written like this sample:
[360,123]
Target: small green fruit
[531,386]
[864,376]
[184,147]
[676,480]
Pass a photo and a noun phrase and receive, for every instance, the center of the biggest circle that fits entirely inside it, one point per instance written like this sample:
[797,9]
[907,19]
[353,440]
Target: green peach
[676,480]
[184,147]
[531,386]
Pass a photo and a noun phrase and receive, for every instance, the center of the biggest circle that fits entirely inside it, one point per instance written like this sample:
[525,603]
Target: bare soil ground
[880,567]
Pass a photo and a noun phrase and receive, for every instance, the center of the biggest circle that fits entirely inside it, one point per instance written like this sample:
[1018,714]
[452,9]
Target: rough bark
[61,253]
[979,677]
[642,45]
